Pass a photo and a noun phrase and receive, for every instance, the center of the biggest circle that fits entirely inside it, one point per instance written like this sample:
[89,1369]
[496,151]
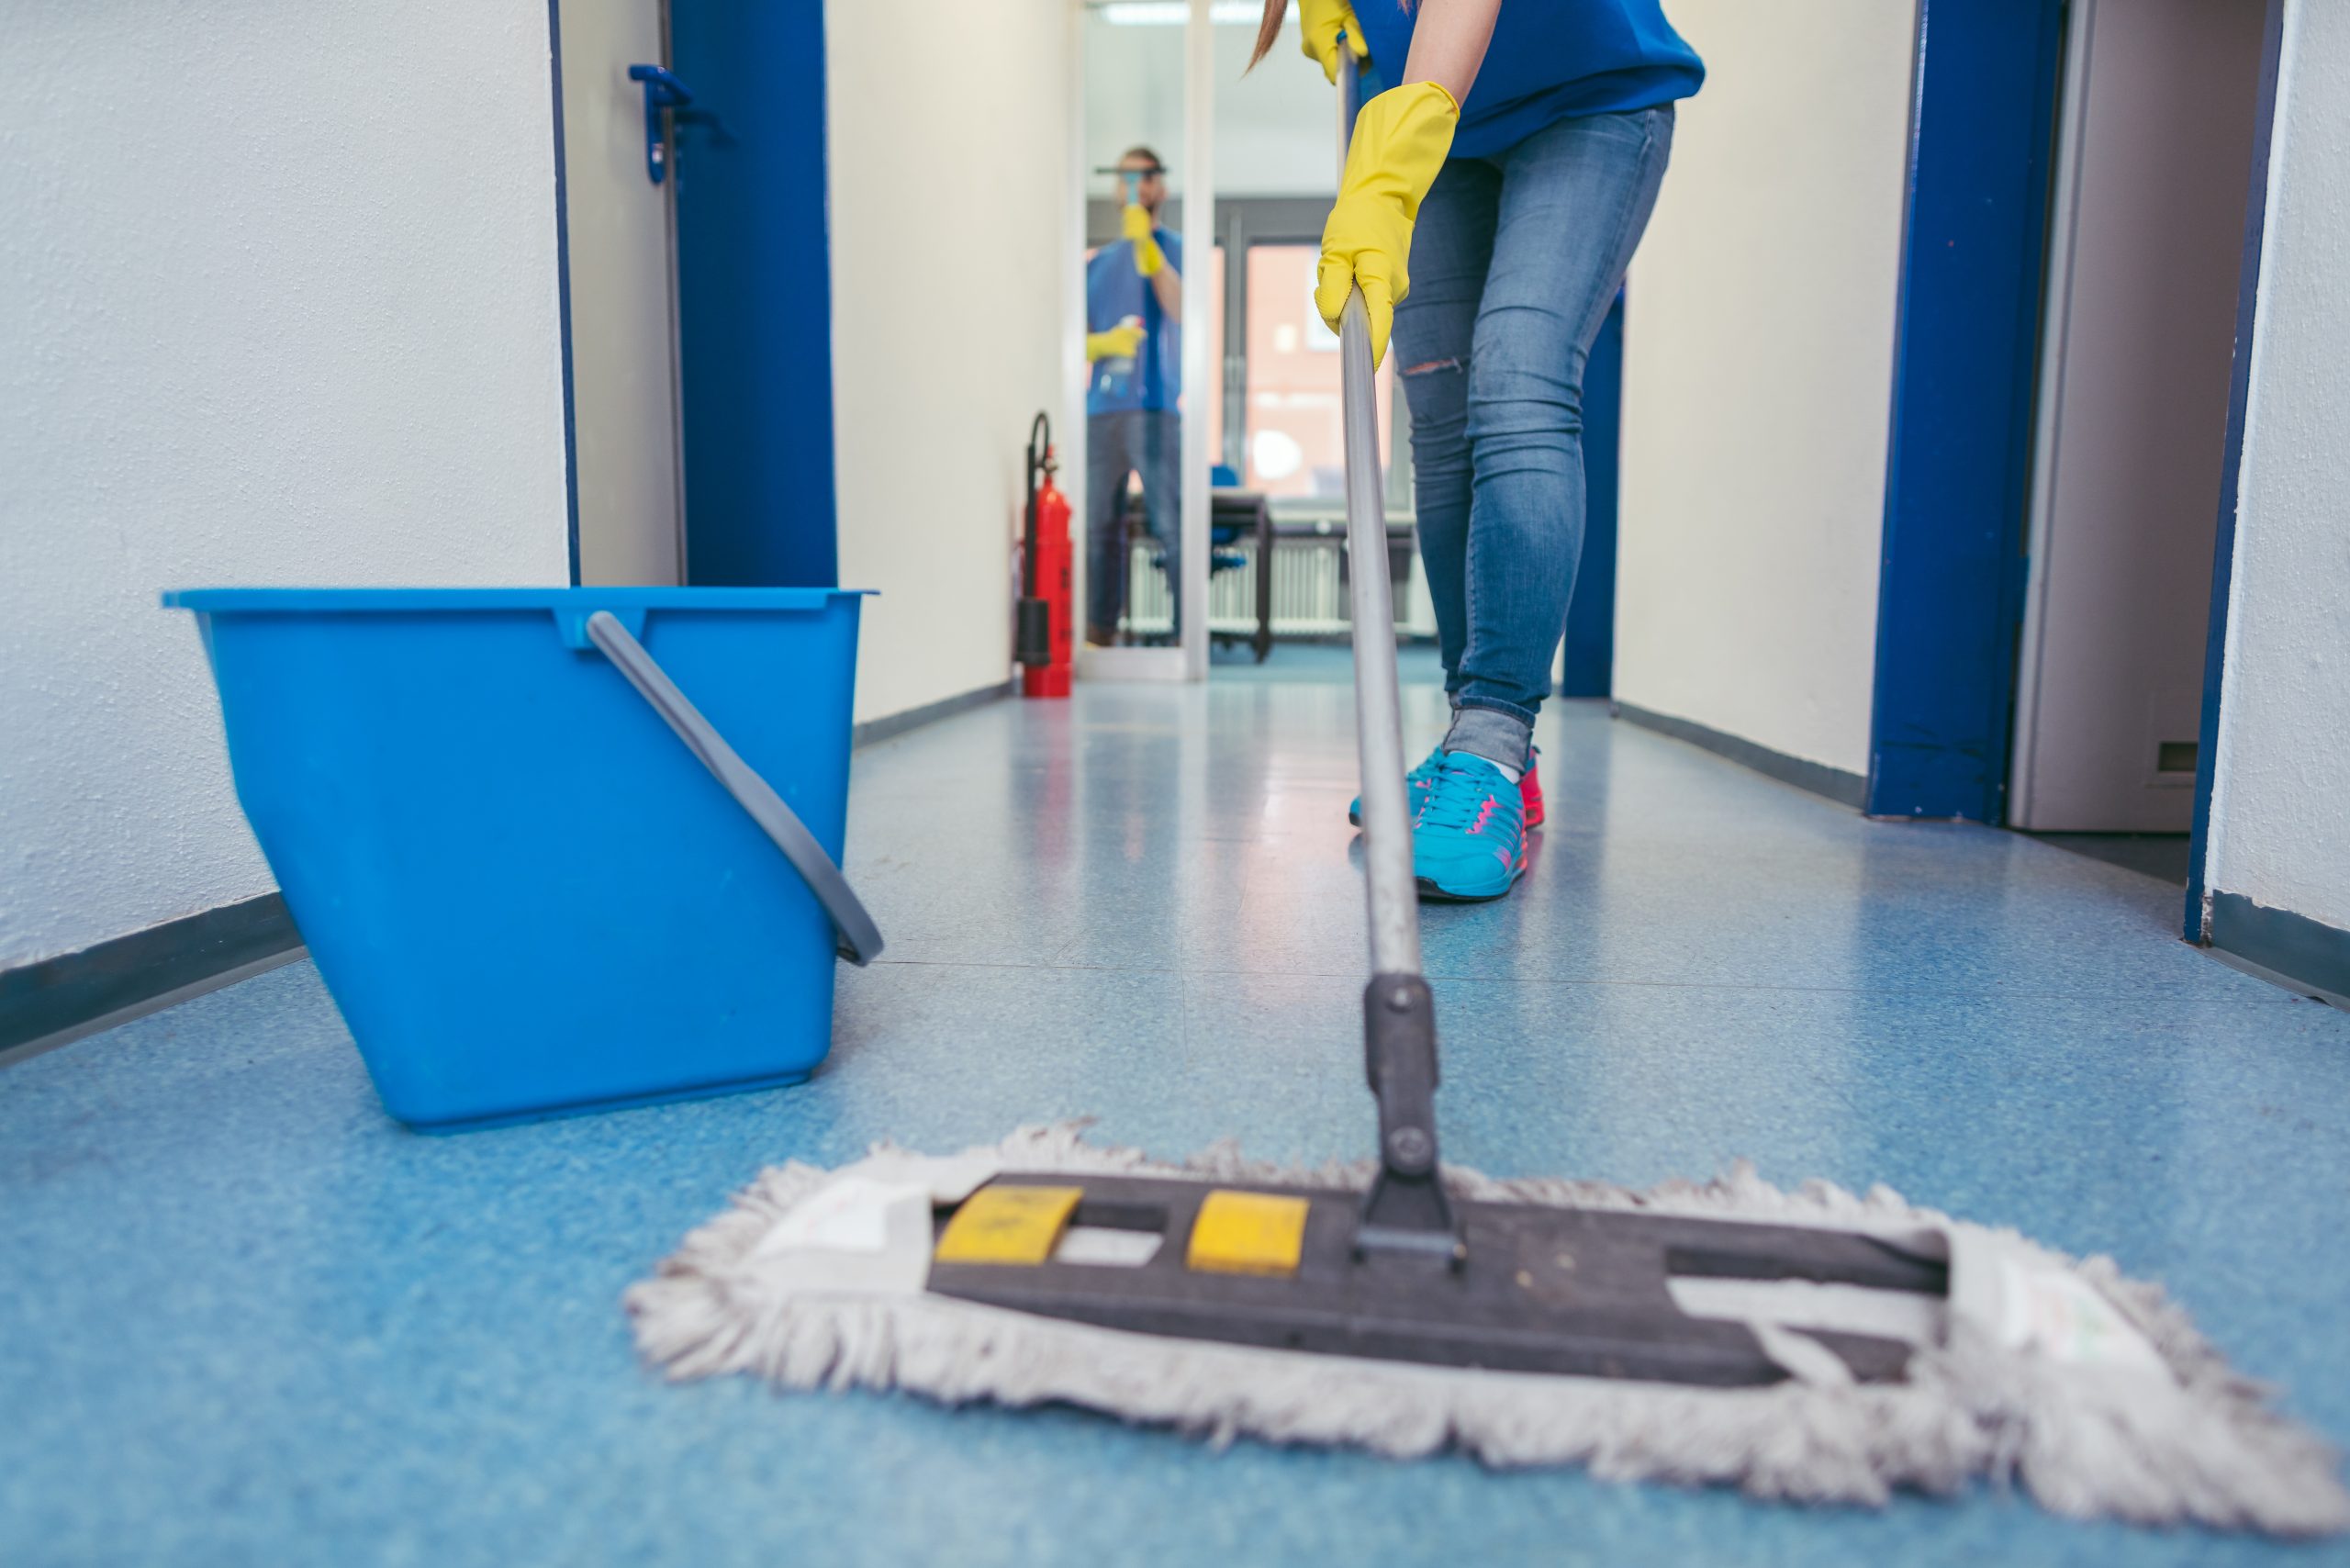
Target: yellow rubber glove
[1149,257]
[1319,23]
[1121,341]
[1401,138]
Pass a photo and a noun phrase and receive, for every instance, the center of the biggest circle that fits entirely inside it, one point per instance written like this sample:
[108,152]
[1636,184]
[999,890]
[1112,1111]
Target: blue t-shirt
[1114,291]
[1550,60]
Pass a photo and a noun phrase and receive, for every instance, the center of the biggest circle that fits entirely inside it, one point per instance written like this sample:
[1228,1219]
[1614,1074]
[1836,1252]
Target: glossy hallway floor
[248,1320]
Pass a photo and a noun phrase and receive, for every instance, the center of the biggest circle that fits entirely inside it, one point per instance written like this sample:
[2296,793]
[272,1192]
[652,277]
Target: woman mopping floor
[1805,1345]
[1490,203]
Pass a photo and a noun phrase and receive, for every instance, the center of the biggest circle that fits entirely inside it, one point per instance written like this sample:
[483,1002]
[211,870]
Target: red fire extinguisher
[1044,640]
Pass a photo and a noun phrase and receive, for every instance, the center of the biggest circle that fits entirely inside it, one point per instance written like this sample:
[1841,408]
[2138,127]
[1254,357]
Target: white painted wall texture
[2280,802]
[280,308]
[949,133]
[1758,376]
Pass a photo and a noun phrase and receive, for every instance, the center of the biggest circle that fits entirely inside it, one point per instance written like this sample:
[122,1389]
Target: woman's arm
[1448,43]
[1150,260]
[1399,141]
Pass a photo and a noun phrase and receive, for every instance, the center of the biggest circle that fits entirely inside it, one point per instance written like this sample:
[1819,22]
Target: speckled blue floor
[245,1319]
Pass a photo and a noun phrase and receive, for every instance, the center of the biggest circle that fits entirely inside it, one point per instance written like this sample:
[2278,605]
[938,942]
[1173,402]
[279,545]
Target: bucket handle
[859,941]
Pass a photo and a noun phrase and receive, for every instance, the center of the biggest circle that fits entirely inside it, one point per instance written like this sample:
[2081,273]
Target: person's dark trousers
[1148,441]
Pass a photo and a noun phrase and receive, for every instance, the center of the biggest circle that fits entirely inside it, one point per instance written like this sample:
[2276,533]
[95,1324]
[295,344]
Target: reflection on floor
[247,1319]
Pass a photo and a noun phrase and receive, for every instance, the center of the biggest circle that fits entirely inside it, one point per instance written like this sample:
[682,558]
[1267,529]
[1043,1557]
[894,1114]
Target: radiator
[1309,598]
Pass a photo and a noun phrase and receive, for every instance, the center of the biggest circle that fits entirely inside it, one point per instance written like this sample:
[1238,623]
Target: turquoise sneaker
[1415,787]
[1468,839]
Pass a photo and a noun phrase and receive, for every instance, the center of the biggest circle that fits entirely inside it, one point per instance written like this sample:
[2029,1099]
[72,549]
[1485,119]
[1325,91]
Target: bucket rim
[574,600]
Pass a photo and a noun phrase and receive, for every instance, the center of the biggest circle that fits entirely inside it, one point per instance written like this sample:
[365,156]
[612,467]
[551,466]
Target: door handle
[662,91]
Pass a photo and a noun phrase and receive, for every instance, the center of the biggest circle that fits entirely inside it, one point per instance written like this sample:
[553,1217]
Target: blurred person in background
[1134,345]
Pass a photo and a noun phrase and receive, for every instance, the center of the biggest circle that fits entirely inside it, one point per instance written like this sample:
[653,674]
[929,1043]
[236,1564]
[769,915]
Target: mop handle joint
[1406,1210]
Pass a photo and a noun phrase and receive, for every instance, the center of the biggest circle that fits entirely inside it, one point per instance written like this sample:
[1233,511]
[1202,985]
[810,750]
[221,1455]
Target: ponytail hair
[1269,32]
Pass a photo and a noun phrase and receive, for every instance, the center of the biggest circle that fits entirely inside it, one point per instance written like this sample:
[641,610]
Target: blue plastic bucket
[529,884]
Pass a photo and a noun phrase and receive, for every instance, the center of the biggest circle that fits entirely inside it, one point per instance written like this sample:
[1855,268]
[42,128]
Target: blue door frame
[563,286]
[1950,599]
[2223,545]
[755,336]
[755,310]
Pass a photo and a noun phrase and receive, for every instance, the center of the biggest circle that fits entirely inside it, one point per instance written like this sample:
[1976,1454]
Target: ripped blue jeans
[1514,261]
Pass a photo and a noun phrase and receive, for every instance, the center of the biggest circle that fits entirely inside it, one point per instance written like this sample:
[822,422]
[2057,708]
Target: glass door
[1138,474]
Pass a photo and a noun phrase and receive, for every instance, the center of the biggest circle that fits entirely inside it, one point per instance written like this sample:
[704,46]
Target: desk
[1233,515]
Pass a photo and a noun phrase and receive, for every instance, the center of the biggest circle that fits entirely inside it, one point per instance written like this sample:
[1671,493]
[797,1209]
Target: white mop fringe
[2082,1441]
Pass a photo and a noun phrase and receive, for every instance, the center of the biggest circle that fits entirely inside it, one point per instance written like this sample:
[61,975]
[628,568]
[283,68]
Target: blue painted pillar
[755,293]
[1951,589]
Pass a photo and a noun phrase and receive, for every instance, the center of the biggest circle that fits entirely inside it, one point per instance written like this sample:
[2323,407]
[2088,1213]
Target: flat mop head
[1533,1288]
[1810,1346]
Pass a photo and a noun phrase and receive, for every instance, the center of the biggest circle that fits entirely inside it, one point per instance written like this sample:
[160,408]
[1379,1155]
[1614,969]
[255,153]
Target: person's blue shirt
[1114,291]
[1550,60]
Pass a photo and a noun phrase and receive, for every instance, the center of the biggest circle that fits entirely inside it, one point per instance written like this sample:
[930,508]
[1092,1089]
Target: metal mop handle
[1406,1211]
[1379,730]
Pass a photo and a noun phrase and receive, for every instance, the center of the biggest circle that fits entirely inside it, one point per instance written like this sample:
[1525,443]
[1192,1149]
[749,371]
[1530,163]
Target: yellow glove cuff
[1402,137]
[1149,257]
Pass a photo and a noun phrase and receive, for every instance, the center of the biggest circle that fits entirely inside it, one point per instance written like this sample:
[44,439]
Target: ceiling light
[1175,13]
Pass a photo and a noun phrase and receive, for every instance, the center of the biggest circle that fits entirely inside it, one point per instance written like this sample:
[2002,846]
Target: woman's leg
[1573,201]
[1453,246]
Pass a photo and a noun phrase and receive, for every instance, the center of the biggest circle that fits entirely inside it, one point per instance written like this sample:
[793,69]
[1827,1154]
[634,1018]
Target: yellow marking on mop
[1007,1225]
[1247,1233]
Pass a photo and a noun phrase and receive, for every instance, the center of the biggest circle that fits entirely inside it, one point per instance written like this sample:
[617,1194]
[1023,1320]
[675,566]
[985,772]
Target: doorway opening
[2155,146]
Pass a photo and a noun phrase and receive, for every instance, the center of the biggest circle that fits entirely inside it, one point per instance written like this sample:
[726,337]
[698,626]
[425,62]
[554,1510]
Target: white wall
[280,308]
[949,147]
[1758,375]
[2281,804]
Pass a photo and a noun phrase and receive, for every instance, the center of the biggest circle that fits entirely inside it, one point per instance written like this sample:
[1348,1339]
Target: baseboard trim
[890,726]
[1844,789]
[2299,953]
[57,999]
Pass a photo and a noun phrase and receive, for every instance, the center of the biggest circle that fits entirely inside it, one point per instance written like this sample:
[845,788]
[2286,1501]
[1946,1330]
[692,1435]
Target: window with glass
[1292,439]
